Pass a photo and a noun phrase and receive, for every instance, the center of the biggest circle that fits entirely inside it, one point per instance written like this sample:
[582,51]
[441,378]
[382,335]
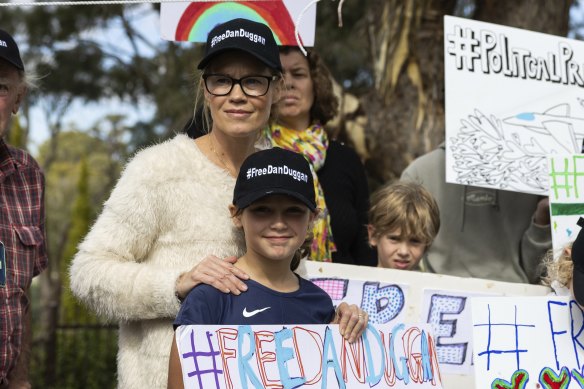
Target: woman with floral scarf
[306,105]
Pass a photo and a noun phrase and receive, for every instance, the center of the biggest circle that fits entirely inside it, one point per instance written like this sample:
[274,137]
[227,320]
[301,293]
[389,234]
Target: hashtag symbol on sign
[566,176]
[463,46]
[495,328]
[203,354]
[248,173]
[561,177]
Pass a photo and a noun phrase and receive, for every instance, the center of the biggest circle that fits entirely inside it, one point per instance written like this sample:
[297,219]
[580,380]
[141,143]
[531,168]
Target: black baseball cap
[241,34]
[9,50]
[578,261]
[274,171]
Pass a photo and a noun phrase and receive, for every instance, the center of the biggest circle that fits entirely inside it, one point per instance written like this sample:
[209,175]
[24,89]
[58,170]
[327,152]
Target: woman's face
[298,94]
[237,114]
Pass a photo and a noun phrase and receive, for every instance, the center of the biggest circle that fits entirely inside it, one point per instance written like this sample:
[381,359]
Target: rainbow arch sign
[183,21]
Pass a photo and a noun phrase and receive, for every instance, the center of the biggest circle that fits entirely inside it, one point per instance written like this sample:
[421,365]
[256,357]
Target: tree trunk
[405,111]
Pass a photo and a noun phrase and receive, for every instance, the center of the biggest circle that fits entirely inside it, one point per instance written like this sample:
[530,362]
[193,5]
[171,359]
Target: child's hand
[352,321]
[219,273]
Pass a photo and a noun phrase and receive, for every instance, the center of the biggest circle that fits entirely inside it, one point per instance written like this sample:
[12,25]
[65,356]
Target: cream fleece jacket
[167,212]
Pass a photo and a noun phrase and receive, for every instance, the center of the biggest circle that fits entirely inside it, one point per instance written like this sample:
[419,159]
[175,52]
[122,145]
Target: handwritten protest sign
[446,312]
[443,303]
[513,97]
[528,342]
[396,356]
[566,196]
[184,21]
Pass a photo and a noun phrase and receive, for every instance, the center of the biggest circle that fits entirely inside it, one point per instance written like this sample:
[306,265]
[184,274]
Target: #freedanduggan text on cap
[241,33]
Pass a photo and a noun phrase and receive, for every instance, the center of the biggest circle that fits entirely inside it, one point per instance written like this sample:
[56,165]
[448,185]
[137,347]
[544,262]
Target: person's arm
[109,272]
[18,377]
[219,273]
[175,377]
[536,241]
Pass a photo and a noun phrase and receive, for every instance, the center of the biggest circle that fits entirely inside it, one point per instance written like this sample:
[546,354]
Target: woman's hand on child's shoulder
[214,271]
[352,321]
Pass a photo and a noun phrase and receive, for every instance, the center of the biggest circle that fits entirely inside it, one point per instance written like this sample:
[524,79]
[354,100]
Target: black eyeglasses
[221,85]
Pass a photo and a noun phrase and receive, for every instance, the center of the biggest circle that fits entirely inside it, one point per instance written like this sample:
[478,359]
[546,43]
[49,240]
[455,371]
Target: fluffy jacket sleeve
[111,272]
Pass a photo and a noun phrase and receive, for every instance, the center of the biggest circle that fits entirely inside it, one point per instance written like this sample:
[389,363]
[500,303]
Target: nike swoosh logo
[252,313]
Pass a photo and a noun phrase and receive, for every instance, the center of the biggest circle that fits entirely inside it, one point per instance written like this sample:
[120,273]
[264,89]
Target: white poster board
[184,21]
[513,97]
[566,196]
[528,343]
[307,356]
[441,302]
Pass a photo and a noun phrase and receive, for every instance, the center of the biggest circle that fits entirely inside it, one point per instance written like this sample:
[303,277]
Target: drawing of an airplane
[556,122]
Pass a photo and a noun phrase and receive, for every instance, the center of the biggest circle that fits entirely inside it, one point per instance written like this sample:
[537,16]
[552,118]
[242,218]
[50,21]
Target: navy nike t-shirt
[258,305]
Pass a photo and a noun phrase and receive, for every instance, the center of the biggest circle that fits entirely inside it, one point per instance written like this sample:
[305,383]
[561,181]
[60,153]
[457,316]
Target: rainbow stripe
[200,17]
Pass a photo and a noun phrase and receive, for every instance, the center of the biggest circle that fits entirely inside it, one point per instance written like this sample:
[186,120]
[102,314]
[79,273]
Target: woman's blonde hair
[407,206]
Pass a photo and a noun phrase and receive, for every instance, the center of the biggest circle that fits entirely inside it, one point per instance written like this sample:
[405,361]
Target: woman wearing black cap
[165,227]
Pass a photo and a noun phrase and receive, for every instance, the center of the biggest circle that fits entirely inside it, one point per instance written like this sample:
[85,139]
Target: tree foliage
[84,170]
[94,53]
[79,223]
[16,134]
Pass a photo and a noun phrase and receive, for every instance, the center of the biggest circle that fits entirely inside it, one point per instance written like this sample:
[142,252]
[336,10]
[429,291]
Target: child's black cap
[274,171]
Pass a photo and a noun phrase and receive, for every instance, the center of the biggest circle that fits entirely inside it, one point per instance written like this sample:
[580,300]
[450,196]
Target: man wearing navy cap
[22,226]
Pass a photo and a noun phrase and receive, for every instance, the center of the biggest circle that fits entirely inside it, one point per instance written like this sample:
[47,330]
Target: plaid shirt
[22,231]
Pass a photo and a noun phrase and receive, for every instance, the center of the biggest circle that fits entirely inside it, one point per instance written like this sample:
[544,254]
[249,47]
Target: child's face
[275,227]
[395,252]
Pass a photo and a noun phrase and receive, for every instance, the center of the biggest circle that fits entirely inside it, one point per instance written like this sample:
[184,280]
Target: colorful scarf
[313,144]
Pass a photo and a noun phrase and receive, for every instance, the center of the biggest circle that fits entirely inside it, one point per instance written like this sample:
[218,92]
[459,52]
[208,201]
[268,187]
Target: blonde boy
[403,221]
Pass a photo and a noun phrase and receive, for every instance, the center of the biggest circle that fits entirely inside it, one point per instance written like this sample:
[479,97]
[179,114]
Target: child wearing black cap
[274,204]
